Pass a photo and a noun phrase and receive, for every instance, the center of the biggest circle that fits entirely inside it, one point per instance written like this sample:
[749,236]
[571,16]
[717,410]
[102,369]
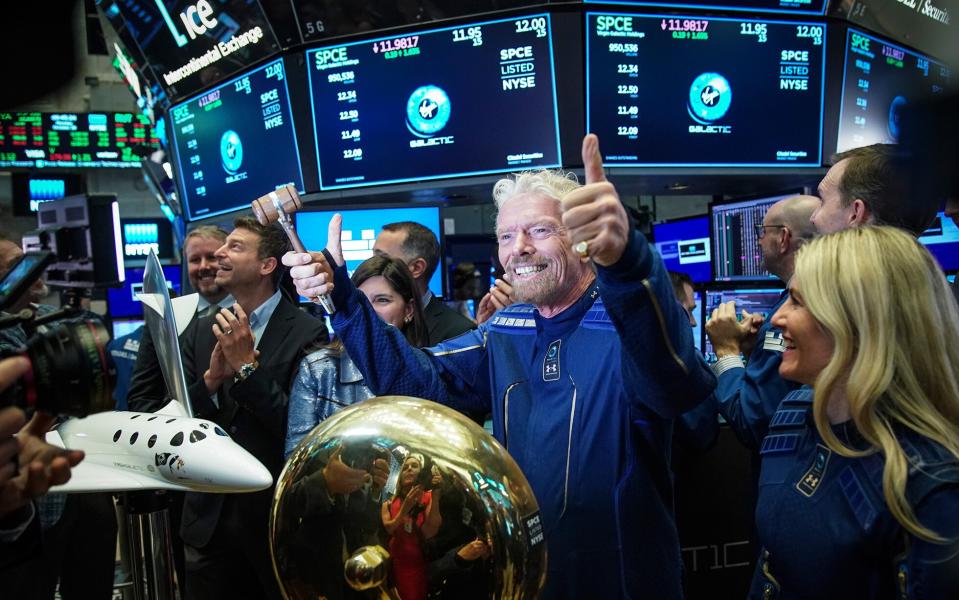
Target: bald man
[750,392]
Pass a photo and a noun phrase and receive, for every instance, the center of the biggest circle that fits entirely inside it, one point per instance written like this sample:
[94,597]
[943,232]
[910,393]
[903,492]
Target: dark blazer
[443,322]
[147,391]
[253,411]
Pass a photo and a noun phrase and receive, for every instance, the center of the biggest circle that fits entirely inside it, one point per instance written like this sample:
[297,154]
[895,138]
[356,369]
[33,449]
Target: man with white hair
[583,375]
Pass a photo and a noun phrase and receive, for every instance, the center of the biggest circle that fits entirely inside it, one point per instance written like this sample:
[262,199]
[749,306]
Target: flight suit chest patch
[551,362]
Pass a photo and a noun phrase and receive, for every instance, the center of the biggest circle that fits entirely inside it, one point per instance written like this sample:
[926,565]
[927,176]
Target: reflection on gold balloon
[399,497]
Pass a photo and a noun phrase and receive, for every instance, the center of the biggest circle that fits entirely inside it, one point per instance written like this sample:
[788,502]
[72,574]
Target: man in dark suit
[239,366]
[418,248]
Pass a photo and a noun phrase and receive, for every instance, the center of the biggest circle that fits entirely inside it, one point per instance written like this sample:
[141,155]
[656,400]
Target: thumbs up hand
[593,214]
[311,273]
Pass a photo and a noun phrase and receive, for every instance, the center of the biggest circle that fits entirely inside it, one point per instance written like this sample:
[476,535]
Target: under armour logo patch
[551,362]
[810,481]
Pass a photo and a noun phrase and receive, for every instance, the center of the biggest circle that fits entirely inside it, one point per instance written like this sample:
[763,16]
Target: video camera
[78,246]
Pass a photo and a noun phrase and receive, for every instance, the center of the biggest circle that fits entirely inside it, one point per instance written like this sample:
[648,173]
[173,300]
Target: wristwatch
[246,370]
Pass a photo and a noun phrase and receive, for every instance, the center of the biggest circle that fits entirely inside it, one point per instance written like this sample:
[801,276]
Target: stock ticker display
[704,91]
[447,102]
[236,142]
[880,80]
[74,140]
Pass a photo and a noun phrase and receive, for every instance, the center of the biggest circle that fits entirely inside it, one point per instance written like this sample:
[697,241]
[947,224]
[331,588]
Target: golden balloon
[399,497]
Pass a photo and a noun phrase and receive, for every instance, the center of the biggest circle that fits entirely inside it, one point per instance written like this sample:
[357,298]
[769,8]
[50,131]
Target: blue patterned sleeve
[302,415]
[454,372]
[660,359]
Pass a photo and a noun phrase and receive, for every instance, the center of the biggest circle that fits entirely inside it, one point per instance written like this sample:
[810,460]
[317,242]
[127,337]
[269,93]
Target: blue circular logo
[709,97]
[896,107]
[427,110]
[231,152]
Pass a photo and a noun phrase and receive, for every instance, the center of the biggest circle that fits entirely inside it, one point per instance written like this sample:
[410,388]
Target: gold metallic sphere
[406,499]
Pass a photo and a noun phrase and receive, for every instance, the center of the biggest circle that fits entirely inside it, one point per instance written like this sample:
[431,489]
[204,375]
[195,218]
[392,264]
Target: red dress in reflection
[406,551]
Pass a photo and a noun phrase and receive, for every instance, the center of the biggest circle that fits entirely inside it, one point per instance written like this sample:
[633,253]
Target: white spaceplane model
[169,449]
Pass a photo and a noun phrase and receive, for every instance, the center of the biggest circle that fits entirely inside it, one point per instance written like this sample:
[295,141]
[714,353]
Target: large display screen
[360,228]
[702,91]
[684,246]
[236,142]
[737,254]
[467,100]
[327,19]
[813,7]
[191,44]
[942,240]
[880,80]
[75,140]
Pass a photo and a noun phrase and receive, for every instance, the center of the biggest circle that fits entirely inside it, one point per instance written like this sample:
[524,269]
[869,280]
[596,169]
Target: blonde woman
[859,490]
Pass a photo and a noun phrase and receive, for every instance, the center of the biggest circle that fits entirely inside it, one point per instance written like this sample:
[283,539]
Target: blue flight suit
[584,403]
[749,396]
[824,525]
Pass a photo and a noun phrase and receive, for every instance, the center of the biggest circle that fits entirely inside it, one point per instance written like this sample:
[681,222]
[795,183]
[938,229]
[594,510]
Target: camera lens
[70,374]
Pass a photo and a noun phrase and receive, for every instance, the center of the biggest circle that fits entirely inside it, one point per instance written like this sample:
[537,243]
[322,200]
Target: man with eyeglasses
[416,245]
[749,392]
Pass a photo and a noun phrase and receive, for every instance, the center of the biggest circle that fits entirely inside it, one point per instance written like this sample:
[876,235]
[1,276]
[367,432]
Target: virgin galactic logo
[427,111]
[231,152]
[709,98]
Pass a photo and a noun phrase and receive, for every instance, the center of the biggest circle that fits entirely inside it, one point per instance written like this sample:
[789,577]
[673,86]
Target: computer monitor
[752,300]
[942,240]
[236,142]
[736,251]
[684,246]
[880,80]
[669,90]
[474,99]
[123,302]
[360,228]
[122,327]
[812,7]
[699,314]
[143,235]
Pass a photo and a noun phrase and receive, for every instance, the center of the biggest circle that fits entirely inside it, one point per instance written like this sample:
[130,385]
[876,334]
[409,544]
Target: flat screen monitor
[142,235]
[469,100]
[190,44]
[761,301]
[320,20]
[942,240]
[698,330]
[236,142]
[123,302]
[795,7]
[684,246]
[29,190]
[737,254]
[40,140]
[360,228]
[881,79]
[704,91]
[122,327]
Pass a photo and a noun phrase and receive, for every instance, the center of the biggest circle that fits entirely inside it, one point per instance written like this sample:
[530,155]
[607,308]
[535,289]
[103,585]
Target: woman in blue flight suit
[859,490]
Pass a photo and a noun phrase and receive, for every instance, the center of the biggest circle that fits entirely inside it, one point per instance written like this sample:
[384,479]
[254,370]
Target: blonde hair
[895,324]
[551,184]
